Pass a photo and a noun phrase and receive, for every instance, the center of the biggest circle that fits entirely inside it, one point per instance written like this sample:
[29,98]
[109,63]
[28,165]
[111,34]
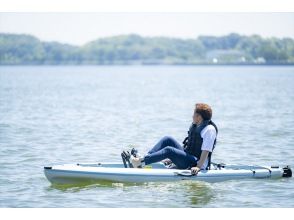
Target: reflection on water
[195,194]
[198,193]
[89,185]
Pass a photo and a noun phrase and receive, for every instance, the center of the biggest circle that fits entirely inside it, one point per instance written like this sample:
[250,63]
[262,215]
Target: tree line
[20,49]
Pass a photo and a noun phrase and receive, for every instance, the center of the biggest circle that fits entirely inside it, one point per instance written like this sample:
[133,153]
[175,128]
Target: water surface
[71,114]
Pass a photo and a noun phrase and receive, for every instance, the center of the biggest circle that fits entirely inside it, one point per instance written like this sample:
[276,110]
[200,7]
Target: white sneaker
[136,161]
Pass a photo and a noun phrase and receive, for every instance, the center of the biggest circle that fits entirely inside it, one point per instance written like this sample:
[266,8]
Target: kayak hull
[115,172]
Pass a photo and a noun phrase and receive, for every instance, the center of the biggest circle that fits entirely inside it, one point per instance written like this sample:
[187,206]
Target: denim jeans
[169,148]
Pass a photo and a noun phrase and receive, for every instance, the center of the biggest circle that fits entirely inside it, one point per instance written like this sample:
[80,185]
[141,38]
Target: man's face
[196,117]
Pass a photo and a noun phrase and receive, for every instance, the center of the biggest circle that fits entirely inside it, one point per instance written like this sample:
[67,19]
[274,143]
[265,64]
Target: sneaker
[136,161]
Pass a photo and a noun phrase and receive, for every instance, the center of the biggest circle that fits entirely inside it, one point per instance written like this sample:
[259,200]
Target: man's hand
[195,170]
[167,161]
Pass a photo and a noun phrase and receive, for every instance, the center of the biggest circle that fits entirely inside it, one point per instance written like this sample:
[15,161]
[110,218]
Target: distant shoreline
[232,49]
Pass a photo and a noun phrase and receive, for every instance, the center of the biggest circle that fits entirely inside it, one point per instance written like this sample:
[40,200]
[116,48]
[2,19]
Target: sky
[80,28]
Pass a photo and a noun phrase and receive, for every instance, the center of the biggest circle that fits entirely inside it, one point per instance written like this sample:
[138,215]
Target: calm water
[52,115]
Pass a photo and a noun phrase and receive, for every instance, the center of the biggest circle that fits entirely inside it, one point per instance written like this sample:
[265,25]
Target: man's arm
[203,157]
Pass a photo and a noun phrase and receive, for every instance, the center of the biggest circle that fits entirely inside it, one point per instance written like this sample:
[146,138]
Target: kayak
[157,172]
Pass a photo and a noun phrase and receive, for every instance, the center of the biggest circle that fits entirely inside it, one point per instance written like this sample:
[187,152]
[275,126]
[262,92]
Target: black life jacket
[193,143]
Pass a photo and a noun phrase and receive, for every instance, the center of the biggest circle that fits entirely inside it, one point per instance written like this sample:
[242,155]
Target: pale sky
[79,28]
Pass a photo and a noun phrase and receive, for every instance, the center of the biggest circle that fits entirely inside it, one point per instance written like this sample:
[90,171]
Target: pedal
[126,158]
[134,152]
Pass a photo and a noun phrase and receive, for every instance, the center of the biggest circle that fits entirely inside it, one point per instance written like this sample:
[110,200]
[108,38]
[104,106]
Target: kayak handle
[287,172]
[186,173]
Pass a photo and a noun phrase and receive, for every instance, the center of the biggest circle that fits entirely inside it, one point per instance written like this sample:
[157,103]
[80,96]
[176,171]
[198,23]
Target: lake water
[69,114]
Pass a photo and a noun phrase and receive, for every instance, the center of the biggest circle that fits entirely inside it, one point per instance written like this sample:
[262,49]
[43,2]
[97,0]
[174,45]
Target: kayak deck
[157,172]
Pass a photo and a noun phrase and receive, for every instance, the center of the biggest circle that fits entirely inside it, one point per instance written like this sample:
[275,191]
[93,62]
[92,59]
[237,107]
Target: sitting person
[197,149]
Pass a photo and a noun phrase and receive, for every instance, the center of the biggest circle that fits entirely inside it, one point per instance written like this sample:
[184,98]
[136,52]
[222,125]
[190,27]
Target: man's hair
[204,110]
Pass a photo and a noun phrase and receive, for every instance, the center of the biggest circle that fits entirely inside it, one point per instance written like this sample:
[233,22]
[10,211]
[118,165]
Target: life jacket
[193,143]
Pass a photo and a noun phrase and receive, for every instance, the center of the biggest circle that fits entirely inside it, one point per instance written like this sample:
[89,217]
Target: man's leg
[165,142]
[179,157]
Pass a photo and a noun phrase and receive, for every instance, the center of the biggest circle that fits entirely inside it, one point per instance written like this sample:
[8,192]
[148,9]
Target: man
[197,149]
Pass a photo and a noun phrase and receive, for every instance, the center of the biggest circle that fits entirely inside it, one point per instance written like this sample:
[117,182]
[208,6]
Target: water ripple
[61,115]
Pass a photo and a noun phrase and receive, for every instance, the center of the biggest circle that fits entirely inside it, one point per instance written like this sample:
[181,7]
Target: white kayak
[157,172]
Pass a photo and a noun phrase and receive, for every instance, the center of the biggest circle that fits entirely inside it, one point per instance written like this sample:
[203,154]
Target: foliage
[134,49]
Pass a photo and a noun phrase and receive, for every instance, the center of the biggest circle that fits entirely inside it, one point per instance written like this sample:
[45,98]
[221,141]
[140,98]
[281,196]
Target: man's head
[201,112]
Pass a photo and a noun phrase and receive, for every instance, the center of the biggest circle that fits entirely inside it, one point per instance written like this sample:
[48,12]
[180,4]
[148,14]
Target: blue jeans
[169,148]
